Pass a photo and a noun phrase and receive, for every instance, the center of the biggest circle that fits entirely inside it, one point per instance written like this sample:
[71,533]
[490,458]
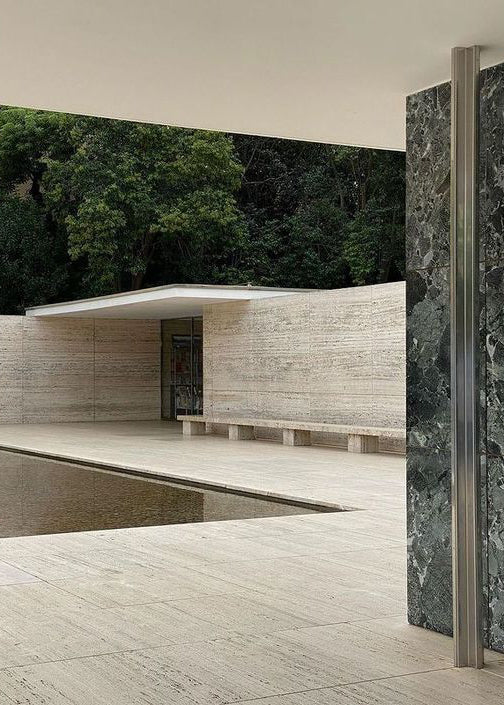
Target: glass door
[187,375]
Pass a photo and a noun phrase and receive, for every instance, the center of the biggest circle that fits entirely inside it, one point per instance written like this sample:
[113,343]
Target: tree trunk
[34,190]
[137,280]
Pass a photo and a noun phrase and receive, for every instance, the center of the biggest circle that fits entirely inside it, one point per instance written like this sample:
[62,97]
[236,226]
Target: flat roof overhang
[333,71]
[160,302]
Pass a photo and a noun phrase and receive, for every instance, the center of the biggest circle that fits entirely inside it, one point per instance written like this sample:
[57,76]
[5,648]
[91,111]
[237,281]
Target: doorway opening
[181,367]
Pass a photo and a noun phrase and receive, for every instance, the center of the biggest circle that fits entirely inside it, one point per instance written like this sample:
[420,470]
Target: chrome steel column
[467,585]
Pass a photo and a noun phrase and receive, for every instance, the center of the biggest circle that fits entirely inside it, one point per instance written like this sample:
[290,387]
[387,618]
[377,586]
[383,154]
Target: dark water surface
[42,496]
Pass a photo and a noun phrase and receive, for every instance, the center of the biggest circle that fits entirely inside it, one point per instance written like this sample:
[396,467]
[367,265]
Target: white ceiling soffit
[325,70]
[161,302]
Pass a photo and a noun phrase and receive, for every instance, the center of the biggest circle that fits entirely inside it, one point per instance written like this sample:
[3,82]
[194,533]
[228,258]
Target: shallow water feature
[45,496]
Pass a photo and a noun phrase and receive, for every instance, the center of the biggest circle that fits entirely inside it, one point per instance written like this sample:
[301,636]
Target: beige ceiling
[326,70]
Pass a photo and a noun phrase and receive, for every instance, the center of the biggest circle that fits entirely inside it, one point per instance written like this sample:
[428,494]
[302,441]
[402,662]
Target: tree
[117,205]
[32,270]
[374,234]
[131,196]
[321,216]
[28,138]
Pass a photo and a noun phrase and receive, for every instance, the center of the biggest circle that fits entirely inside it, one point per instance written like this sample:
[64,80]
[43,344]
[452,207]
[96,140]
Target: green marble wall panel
[428,355]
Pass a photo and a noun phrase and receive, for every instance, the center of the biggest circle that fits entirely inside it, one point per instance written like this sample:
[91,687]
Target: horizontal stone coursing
[68,369]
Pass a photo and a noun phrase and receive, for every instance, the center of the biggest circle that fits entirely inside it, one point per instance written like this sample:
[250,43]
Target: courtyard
[278,610]
[251,346]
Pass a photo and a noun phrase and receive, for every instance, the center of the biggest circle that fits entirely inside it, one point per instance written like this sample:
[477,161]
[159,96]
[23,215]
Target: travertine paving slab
[219,671]
[451,686]
[10,575]
[316,576]
[191,619]
[175,583]
[49,624]
[423,639]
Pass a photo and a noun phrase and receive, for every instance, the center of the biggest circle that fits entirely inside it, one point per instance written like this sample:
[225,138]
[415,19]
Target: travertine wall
[335,356]
[70,369]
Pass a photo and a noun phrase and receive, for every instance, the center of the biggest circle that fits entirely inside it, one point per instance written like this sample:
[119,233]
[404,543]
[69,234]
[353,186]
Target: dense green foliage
[321,216]
[31,271]
[91,206]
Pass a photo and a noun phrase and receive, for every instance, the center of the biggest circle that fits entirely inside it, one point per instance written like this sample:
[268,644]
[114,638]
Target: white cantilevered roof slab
[160,302]
[326,70]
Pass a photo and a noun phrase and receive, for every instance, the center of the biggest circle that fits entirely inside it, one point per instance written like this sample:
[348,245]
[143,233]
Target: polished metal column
[467,585]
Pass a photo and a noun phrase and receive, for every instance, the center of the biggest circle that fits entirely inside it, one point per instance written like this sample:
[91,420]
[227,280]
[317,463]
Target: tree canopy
[91,206]
[321,216]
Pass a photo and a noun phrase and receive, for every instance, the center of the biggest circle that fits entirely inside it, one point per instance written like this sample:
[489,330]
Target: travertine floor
[321,474]
[280,611]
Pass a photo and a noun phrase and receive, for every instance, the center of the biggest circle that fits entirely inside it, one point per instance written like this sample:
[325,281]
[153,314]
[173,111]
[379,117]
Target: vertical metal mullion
[464,291]
[193,411]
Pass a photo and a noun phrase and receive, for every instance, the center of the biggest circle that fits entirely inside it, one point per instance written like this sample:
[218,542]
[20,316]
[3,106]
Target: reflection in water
[39,496]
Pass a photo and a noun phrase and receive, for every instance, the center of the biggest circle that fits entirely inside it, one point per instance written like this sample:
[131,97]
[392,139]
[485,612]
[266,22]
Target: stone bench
[361,439]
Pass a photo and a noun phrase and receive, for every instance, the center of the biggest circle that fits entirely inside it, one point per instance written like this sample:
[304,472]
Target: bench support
[295,437]
[240,433]
[362,444]
[193,428]
[361,439]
